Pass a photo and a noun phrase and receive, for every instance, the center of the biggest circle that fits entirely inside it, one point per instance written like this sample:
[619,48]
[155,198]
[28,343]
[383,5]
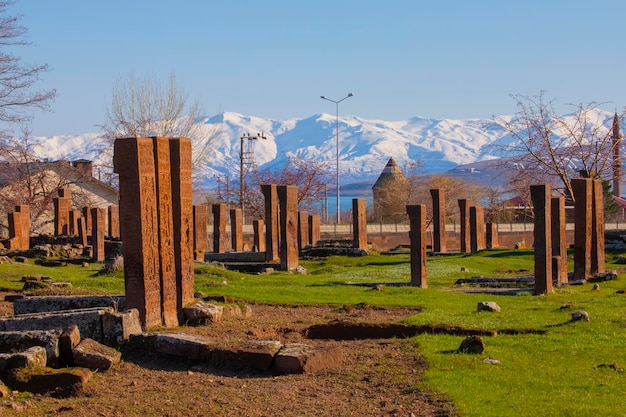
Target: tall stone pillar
[164,201]
[24,210]
[113,212]
[62,207]
[559,240]
[314,229]
[87,216]
[200,221]
[464,208]
[359,223]
[303,230]
[491,235]
[182,206]
[259,239]
[236,229]
[477,228]
[288,201]
[598,257]
[98,230]
[219,228]
[439,219]
[541,195]
[15,230]
[417,235]
[82,232]
[134,162]
[271,222]
[74,215]
[582,190]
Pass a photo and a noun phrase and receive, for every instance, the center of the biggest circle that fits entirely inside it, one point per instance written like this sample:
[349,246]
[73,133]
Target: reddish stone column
[133,160]
[477,228]
[219,228]
[24,210]
[359,223]
[182,205]
[15,230]
[236,229]
[87,216]
[541,195]
[82,231]
[314,229]
[303,229]
[464,207]
[165,195]
[417,235]
[62,207]
[559,242]
[113,212]
[597,237]
[259,238]
[288,201]
[271,222]
[582,190]
[491,234]
[98,230]
[74,215]
[200,221]
[439,219]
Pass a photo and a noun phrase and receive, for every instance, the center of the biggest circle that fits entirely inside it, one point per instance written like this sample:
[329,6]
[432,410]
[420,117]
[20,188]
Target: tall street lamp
[337,128]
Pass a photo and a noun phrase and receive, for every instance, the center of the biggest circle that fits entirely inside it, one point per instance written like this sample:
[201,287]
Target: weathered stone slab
[95,356]
[88,321]
[201,313]
[200,221]
[113,213]
[98,230]
[58,382]
[259,235]
[582,190]
[295,358]
[464,206]
[477,228]
[45,304]
[271,222]
[69,339]
[359,224]
[15,341]
[184,345]
[314,229]
[542,234]
[439,219]
[117,327]
[219,228]
[236,229]
[303,230]
[288,201]
[33,357]
[417,236]
[257,354]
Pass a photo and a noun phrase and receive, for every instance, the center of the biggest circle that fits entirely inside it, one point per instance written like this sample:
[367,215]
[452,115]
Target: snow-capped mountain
[365,145]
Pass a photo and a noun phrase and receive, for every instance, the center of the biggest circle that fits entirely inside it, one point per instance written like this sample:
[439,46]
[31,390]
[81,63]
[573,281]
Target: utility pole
[245,158]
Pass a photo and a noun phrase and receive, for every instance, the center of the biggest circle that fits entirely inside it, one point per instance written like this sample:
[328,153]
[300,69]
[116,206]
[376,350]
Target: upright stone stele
[200,222]
[259,238]
[219,228]
[477,228]
[182,206]
[15,230]
[74,215]
[236,229]
[417,236]
[541,198]
[598,256]
[87,216]
[464,208]
[82,231]
[359,224]
[559,241]
[288,201]
[133,160]
[98,230]
[582,190]
[303,229]
[491,235]
[24,210]
[166,240]
[439,219]
[314,229]
[62,207]
[271,222]
[113,213]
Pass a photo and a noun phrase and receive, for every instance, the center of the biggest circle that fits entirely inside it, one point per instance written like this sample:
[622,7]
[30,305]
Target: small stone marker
[580,315]
[488,306]
[472,344]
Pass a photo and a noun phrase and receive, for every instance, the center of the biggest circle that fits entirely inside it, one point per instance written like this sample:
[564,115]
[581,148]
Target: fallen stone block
[296,358]
[201,313]
[34,357]
[117,327]
[43,304]
[258,354]
[185,345]
[57,382]
[96,356]
[69,339]
[17,341]
[491,306]
[88,321]
[472,344]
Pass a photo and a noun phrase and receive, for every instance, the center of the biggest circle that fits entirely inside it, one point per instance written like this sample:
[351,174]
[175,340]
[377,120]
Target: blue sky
[273,59]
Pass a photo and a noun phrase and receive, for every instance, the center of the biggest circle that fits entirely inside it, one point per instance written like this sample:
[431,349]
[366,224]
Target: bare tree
[548,148]
[143,106]
[18,96]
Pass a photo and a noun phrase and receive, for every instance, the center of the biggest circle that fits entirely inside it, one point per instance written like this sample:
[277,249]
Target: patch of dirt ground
[376,377]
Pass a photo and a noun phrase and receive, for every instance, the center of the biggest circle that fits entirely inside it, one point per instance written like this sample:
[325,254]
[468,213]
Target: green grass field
[553,374]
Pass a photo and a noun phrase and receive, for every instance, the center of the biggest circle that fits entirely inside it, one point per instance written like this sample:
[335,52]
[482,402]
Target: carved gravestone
[271,222]
[113,212]
[491,235]
[541,195]
[582,190]
[359,223]
[219,228]
[477,228]
[259,237]
[98,230]
[439,219]
[597,226]
[303,229]
[87,216]
[417,236]
[62,207]
[464,208]
[24,211]
[200,221]
[288,201]
[314,229]
[559,241]
[236,229]
[74,215]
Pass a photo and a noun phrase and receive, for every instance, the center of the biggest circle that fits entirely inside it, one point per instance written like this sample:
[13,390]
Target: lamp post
[337,128]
